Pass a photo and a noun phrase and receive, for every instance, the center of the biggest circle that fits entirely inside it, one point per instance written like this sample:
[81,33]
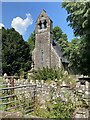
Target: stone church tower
[46,52]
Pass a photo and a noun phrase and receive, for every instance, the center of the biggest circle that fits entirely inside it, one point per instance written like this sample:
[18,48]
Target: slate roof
[59,51]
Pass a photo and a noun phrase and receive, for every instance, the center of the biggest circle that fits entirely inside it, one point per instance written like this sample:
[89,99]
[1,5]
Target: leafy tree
[0,52]
[74,55]
[60,38]
[79,19]
[79,16]
[57,33]
[31,41]
[15,52]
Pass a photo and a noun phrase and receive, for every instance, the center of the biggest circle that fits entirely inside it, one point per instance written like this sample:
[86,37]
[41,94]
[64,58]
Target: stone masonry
[46,52]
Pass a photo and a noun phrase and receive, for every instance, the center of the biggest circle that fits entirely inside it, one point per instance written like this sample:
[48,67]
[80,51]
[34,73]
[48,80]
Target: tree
[31,41]
[60,38]
[74,55]
[57,33]
[15,52]
[79,19]
[79,16]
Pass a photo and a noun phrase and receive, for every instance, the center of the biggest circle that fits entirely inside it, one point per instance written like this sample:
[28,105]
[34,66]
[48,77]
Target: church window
[42,16]
[42,25]
[42,55]
[45,24]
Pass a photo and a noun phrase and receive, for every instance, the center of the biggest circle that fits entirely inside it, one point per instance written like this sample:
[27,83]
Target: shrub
[47,74]
[56,109]
[53,74]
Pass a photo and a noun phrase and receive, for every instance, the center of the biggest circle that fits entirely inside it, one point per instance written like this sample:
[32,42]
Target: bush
[53,74]
[47,74]
[56,109]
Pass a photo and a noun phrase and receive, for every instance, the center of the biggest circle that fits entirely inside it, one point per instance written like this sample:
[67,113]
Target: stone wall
[5,114]
[46,90]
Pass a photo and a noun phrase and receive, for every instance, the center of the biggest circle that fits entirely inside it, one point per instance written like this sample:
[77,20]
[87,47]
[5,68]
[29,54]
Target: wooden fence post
[34,97]
[7,93]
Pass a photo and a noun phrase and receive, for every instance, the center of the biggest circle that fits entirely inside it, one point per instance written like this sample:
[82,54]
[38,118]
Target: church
[46,52]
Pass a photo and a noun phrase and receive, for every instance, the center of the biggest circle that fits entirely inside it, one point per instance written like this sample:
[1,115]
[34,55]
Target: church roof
[57,48]
[59,51]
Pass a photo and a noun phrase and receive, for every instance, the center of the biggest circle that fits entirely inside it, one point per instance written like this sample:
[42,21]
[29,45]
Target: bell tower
[42,52]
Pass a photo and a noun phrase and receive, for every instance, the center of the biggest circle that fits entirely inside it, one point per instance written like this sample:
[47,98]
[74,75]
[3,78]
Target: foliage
[56,109]
[53,74]
[79,19]
[31,41]
[60,38]
[57,33]
[78,16]
[45,74]
[74,55]
[15,52]
[62,107]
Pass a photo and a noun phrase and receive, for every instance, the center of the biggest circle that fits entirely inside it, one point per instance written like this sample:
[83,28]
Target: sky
[22,16]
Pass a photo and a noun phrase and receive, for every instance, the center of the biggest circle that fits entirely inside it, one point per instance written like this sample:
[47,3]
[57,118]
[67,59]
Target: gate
[17,97]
